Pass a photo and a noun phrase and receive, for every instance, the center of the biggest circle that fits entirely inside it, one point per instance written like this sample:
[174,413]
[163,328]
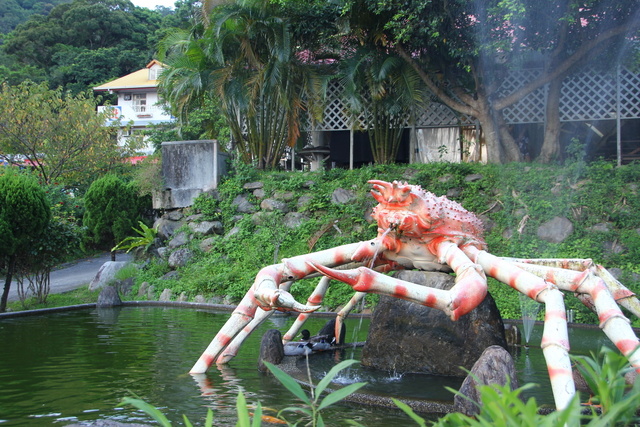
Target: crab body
[417,229]
[412,222]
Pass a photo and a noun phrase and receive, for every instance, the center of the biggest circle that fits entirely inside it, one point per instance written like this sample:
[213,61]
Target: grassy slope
[513,200]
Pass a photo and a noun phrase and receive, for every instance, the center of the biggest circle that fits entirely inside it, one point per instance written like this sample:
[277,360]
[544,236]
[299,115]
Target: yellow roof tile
[137,79]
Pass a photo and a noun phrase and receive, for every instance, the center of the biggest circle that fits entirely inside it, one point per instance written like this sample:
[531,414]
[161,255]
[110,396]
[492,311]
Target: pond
[73,366]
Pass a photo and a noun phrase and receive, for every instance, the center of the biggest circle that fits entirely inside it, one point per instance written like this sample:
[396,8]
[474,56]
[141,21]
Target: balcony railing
[126,112]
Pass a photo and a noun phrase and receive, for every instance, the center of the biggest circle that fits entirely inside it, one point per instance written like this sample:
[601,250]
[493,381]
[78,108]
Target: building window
[127,97]
[154,73]
[139,102]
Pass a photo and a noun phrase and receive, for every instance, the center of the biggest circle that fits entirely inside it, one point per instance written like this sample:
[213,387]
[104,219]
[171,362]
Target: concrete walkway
[72,275]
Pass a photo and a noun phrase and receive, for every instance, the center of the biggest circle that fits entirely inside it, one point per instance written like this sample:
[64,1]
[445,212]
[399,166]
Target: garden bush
[112,209]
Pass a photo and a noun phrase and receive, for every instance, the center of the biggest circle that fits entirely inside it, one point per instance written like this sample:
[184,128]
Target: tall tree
[59,135]
[246,56]
[15,12]
[379,87]
[462,50]
[24,215]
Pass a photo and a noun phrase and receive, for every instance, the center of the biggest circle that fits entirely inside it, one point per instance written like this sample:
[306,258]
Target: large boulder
[180,257]
[167,225]
[556,230]
[495,366]
[243,205]
[340,196]
[408,337]
[106,274]
[206,228]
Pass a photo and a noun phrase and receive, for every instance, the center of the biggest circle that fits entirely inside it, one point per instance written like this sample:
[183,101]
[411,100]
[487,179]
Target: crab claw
[277,299]
[286,302]
[356,278]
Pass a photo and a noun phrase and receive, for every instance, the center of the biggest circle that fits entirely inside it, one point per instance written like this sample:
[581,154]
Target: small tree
[58,242]
[57,134]
[24,215]
[383,89]
[112,208]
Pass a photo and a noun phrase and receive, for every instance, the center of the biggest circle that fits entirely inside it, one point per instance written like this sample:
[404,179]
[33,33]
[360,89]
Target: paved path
[72,275]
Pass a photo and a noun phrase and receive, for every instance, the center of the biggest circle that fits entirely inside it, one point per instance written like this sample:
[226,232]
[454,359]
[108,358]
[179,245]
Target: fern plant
[145,239]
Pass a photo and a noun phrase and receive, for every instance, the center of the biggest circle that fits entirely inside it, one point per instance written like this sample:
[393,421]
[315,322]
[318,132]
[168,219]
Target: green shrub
[24,216]
[145,238]
[112,209]
[310,410]
[208,206]
[499,405]
[502,407]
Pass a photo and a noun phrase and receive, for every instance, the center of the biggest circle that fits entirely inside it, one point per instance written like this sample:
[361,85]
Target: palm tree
[244,55]
[381,91]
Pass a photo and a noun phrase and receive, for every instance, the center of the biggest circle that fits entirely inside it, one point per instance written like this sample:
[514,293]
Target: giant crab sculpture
[417,230]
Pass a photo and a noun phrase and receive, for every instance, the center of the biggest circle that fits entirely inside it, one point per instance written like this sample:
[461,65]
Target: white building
[138,104]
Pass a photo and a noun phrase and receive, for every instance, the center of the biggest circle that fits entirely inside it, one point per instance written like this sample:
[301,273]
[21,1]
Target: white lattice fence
[585,96]
[531,109]
[629,94]
[588,96]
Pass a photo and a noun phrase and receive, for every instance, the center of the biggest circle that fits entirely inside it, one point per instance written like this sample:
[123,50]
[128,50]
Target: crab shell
[412,222]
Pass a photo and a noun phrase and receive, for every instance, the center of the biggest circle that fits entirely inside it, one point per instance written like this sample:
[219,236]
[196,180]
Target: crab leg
[621,294]
[344,312]
[314,300]
[264,288]
[234,346]
[555,337]
[612,321]
[265,293]
[466,294]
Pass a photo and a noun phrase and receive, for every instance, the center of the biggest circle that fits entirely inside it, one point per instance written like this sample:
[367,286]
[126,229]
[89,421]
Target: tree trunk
[551,145]
[7,283]
[510,150]
[113,255]
[490,131]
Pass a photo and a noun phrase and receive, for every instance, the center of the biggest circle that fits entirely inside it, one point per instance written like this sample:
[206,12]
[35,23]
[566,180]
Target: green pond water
[74,366]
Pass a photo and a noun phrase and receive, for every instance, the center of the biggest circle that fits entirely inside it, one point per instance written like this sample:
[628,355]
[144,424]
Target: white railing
[127,112]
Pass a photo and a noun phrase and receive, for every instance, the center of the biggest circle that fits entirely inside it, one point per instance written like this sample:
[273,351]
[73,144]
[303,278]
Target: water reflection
[79,365]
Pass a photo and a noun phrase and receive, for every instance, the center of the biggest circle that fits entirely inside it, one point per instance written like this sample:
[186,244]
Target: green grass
[78,296]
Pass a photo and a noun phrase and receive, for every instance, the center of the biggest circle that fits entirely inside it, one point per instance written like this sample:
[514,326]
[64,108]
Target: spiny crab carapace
[418,230]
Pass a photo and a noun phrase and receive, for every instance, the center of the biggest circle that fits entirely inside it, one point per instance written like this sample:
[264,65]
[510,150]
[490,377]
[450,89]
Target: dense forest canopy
[14,12]
[82,43]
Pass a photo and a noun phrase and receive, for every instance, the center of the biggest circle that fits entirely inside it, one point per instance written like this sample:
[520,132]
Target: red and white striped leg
[344,312]
[612,321]
[266,293]
[316,298]
[621,294]
[260,316]
[231,350]
[466,294]
[241,317]
[555,337]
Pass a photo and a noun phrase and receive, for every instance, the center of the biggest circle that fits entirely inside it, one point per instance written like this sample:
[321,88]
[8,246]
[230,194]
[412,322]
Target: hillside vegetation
[514,200]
